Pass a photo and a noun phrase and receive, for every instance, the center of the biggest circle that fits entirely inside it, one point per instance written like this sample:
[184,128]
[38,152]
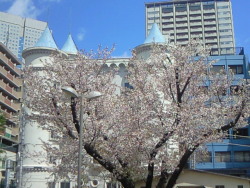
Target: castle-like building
[35,172]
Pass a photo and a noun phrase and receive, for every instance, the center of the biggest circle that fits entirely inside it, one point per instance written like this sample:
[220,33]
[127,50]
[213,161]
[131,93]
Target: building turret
[36,167]
[41,52]
[154,36]
[69,47]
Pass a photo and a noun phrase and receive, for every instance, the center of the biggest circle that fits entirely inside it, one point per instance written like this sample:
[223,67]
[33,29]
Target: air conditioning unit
[94,183]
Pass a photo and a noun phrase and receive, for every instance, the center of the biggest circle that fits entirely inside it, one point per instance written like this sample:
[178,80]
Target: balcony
[9,104]
[168,26]
[226,33]
[211,34]
[229,39]
[15,81]
[181,24]
[209,22]
[194,36]
[167,14]
[195,18]
[229,51]
[181,18]
[209,17]
[12,117]
[9,90]
[195,23]
[211,40]
[7,62]
[196,29]
[208,10]
[225,15]
[195,12]
[181,13]
[182,42]
[210,28]
[181,31]
[167,19]
[181,37]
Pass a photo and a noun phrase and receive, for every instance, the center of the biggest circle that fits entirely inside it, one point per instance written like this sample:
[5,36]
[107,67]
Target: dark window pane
[242,156]
[222,156]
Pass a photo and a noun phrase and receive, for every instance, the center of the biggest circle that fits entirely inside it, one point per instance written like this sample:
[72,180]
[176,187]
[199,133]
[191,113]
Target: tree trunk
[150,175]
[175,175]
[163,179]
[126,183]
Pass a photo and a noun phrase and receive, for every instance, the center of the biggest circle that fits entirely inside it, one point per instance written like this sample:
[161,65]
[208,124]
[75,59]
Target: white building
[19,33]
[35,170]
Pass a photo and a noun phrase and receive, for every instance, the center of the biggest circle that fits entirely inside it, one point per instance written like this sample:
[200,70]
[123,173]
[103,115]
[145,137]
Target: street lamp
[71,92]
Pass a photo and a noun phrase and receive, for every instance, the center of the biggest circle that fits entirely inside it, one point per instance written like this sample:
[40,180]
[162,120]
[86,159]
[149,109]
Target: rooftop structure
[46,40]
[70,46]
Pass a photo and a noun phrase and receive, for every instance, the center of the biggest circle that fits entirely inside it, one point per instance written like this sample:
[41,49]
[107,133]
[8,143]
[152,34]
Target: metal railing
[227,51]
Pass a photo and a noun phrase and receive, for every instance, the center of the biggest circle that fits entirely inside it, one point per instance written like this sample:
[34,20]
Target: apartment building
[182,20]
[10,95]
[19,33]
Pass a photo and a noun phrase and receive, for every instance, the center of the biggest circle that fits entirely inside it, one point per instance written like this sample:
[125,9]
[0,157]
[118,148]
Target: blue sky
[99,22]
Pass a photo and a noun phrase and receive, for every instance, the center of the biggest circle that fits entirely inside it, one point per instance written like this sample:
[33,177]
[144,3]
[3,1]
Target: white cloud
[24,8]
[81,34]
[27,8]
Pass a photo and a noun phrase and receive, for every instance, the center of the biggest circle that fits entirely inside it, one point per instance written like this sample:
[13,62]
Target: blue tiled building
[232,155]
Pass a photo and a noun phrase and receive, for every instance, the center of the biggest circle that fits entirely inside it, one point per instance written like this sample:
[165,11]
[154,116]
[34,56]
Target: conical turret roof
[69,46]
[46,40]
[155,35]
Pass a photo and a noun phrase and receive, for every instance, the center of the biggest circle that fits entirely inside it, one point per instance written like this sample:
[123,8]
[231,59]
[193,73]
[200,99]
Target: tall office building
[10,95]
[19,33]
[182,20]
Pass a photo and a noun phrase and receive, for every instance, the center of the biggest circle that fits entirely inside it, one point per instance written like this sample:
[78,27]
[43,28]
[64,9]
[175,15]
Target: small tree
[176,102]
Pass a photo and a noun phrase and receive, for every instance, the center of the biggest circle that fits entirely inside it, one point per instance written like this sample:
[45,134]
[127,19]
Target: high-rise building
[10,95]
[19,33]
[182,20]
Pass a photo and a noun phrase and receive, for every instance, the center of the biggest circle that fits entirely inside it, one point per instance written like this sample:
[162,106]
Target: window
[167,10]
[112,185]
[222,156]
[217,69]
[180,8]
[194,7]
[242,156]
[53,135]
[127,85]
[204,157]
[222,7]
[208,7]
[219,186]
[52,160]
[65,184]
[51,184]
[236,69]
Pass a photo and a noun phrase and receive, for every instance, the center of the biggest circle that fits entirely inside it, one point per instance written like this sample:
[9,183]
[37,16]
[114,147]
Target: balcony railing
[227,51]
[9,64]
[10,77]
[10,90]
[9,103]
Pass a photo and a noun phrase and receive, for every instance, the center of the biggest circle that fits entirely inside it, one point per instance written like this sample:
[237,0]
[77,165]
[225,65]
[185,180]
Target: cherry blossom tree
[174,105]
